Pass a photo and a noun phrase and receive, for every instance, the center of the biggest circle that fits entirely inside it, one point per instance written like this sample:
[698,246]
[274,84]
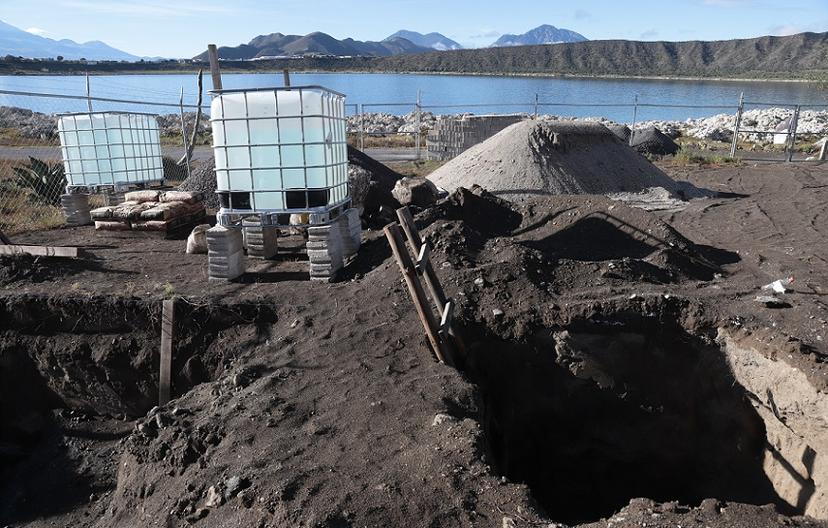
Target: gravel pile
[544,157]
[203,179]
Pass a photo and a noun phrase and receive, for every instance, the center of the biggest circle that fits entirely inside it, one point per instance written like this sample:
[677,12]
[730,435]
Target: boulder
[415,191]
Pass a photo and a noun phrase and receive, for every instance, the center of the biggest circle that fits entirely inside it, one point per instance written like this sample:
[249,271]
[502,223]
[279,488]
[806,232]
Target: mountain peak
[431,40]
[543,34]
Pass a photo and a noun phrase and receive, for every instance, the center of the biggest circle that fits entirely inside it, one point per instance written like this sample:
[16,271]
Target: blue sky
[182,28]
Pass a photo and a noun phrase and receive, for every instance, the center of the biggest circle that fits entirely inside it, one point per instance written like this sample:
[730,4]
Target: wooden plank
[438,296]
[4,239]
[415,289]
[167,336]
[41,251]
[215,69]
[423,256]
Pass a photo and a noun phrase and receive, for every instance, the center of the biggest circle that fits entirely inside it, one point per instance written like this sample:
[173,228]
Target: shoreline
[540,75]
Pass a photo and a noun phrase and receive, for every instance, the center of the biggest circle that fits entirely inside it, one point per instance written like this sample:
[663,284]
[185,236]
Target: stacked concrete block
[325,251]
[225,254]
[75,208]
[260,241]
[350,232]
[451,137]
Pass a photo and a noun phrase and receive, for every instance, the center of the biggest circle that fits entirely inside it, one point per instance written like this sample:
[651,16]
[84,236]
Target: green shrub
[46,180]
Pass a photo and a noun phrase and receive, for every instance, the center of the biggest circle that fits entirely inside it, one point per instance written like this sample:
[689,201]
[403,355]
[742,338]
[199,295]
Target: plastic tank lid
[276,88]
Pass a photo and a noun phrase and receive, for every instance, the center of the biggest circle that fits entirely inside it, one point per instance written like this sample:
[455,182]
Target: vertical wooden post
[395,239]
[167,337]
[286,75]
[215,69]
[739,112]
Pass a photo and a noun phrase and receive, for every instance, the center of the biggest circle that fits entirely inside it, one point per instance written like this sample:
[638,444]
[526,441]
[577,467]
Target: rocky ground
[35,125]
[595,386]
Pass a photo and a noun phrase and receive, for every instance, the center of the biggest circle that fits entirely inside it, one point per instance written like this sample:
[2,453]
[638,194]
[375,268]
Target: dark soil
[310,404]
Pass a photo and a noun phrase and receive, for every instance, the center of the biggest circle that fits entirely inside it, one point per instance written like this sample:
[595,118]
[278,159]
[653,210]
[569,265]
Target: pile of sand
[543,158]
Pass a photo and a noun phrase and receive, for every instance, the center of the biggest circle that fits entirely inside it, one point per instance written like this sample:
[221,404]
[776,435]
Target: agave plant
[48,181]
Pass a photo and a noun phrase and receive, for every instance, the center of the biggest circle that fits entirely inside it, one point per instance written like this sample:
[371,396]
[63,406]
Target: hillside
[317,43]
[802,55]
[435,41]
[18,43]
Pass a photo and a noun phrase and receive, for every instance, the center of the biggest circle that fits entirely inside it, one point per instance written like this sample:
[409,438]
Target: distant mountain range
[14,41]
[544,34]
[434,41]
[402,42]
[317,43]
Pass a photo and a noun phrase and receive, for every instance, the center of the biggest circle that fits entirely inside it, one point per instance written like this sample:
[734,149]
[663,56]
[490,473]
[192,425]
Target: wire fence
[32,176]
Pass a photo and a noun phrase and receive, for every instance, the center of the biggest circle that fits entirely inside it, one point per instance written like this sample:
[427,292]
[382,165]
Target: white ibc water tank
[109,148]
[280,149]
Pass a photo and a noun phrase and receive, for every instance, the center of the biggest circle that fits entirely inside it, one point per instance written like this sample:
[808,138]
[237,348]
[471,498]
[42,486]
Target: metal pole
[418,111]
[184,131]
[88,94]
[362,127]
[635,118]
[737,125]
[536,106]
[792,133]
[286,75]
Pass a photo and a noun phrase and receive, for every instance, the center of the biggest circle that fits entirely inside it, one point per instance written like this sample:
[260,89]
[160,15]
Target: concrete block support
[75,209]
[325,252]
[350,231]
[225,254]
[261,241]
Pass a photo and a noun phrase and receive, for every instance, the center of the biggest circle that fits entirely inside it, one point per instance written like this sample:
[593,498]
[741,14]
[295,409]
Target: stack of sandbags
[149,210]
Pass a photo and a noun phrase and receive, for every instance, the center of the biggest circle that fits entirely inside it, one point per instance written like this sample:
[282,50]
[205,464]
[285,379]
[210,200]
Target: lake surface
[396,93]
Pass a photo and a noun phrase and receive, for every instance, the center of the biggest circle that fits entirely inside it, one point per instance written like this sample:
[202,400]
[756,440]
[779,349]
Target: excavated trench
[593,415]
[100,356]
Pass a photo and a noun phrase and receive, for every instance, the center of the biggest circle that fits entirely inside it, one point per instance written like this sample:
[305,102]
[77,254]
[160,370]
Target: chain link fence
[32,177]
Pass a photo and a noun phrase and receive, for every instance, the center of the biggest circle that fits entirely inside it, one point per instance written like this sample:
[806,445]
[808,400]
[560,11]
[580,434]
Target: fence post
[536,106]
[361,127]
[635,118]
[184,131]
[88,93]
[792,133]
[418,110]
[737,125]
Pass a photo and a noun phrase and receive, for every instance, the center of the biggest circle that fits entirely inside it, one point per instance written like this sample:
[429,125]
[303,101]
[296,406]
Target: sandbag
[102,213]
[112,226]
[197,241]
[189,197]
[142,196]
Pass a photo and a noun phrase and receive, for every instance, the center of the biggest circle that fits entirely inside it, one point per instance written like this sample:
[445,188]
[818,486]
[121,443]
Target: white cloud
[581,14]
[485,34]
[785,30]
[649,34]
[37,31]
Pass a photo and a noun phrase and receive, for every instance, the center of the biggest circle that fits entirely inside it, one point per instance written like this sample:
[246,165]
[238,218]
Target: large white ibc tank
[110,148]
[280,149]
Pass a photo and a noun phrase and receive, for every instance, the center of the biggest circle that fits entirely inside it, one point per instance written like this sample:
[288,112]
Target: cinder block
[225,255]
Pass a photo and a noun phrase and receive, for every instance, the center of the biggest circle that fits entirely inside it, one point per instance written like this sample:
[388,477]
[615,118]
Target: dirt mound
[653,142]
[549,158]
[371,184]
[622,132]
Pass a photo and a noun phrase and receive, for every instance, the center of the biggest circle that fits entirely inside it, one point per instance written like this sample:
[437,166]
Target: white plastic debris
[779,286]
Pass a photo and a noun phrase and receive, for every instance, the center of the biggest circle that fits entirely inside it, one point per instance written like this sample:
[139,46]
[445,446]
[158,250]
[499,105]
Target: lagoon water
[444,94]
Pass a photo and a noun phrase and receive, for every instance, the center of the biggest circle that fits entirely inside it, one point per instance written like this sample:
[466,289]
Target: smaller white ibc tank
[107,148]
[280,149]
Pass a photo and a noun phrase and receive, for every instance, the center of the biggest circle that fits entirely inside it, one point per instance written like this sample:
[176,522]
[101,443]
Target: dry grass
[416,169]
[387,141]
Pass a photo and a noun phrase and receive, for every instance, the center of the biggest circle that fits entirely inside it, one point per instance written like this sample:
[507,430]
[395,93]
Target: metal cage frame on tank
[322,205]
[116,186]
